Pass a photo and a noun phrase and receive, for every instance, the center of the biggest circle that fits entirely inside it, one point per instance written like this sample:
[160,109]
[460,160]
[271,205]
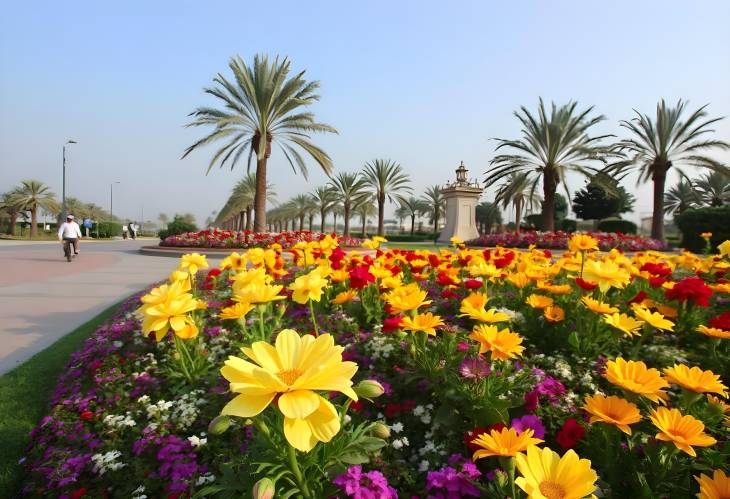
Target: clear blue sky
[424,83]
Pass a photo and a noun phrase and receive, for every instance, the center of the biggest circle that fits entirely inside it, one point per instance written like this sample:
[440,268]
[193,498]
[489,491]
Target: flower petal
[247,406]
[298,404]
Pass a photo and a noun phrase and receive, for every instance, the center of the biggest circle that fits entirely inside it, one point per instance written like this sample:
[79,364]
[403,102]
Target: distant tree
[10,206]
[387,180]
[32,195]
[413,207]
[365,209]
[435,205]
[324,198]
[713,188]
[488,215]
[163,218]
[518,191]
[602,197]
[350,189]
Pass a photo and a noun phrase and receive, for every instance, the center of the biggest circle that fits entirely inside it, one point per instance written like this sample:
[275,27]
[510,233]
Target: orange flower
[682,431]
[635,377]
[695,379]
[612,410]
[505,443]
[554,313]
[503,344]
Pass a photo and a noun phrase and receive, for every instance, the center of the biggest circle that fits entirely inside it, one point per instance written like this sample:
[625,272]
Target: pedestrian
[133,229]
[125,231]
[70,231]
[87,226]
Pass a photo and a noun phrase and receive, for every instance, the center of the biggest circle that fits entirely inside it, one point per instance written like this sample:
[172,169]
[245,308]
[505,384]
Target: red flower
[448,294]
[80,492]
[213,273]
[360,277]
[690,288]
[473,284]
[532,401]
[470,435]
[570,434]
[504,260]
[640,296]
[392,409]
[336,258]
[433,260]
[86,415]
[444,279]
[656,282]
[722,321]
[657,269]
[588,286]
[357,406]
[391,324]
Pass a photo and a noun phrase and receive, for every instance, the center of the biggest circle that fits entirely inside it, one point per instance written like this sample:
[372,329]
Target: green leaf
[354,458]
[574,340]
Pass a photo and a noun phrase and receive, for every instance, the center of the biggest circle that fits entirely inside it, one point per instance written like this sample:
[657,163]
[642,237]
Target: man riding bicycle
[71,232]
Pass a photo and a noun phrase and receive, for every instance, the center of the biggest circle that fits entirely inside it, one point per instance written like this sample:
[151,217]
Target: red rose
[391,324]
[690,288]
[588,286]
[473,284]
[570,434]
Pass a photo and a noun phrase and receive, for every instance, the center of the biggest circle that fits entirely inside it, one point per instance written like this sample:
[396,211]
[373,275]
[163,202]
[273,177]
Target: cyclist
[70,231]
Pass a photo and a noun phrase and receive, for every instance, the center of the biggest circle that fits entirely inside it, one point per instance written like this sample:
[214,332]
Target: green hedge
[623,226]
[568,225]
[106,229]
[407,238]
[692,223]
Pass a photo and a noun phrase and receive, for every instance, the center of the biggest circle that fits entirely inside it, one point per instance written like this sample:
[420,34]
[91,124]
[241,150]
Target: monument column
[461,202]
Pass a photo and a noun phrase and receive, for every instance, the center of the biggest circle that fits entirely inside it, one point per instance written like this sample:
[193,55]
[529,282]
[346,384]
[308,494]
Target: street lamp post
[63,194]
[111,205]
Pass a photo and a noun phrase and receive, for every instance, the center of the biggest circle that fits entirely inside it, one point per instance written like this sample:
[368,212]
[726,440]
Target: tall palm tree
[386,179]
[550,147]
[350,189]
[413,207]
[682,196]
[518,191]
[435,203]
[714,188]
[365,209]
[324,198]
[263,106]
[656,145]
[31,195]
[9,204]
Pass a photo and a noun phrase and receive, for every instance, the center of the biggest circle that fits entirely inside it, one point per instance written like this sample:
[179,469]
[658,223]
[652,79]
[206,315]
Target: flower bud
[501,477]
[369,389]
[263,489]
[219,425]
[381,431]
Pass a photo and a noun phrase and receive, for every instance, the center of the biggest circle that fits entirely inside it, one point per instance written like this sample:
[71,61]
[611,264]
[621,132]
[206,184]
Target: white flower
[418,410]
[107,462]
[423,466]
[196,441]
[396,427]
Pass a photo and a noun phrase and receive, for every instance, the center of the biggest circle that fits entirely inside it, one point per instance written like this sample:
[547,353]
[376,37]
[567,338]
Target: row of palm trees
[710,189]
[27,198]
[264,106]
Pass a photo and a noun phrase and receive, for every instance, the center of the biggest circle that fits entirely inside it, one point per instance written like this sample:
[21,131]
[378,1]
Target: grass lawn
[24,396]
[417,246]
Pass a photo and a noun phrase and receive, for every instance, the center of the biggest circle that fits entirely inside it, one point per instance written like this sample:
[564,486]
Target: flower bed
[559,240]
[231,239]
[459,374]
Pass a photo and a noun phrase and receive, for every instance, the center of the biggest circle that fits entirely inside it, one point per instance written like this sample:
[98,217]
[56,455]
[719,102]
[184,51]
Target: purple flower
[370,485]
[531,422]
[450,483]
[474,368]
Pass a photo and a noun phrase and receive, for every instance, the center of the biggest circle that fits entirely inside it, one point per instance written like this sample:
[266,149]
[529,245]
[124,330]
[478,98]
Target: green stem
[262,335]
[314,319]
[294,465]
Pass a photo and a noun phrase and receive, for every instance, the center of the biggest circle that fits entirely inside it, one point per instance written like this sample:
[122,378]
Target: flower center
[289,376]
[552,490]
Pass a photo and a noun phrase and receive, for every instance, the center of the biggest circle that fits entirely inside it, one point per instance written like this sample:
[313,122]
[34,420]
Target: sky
[425,83]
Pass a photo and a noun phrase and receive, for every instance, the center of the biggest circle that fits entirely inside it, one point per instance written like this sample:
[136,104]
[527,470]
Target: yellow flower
[547,475]
[456,242]
[724,248]
[479,268]
[308,287]
[654,319]
[166,308]
[717,487]
[582,242]
[422,322]
[519,279]
[474,301]
[714,332]
[340,275]
[682,431]
[506,442]
[295,367]
[344,297]
[503,344]
[635,377]
[695,379]
[236,311]
[625,323]
[606,274]
[407,298]
[612,410]
[473,307]
[370,244]
[556,289]
[193,262]
[245,278]
[259,293]
[179,275]
[598,306]
[724,406]
[233,261]
[539,301]
[554,313]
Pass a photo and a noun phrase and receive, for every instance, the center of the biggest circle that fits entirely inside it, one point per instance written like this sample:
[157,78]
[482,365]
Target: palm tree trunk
[249,221]
[13,221]
[34,221]
[364,221]
[549,185]
[413,223]
[435,221]
[518,214]
[259,201]
[311,221]
[381,215]
[322,215]
[346,231]
[657,218]
[334,222]
[301,222]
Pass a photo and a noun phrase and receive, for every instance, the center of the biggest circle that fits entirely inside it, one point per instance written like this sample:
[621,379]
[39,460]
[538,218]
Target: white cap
[70,217]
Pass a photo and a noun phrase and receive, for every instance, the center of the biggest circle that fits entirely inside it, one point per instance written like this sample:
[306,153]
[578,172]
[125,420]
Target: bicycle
[68,252]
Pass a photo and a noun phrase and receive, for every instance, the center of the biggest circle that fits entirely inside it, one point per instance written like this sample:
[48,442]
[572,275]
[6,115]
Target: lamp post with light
[111,204]
[63,189]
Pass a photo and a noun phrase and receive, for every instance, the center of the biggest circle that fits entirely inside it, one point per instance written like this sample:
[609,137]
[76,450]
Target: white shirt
[69,230]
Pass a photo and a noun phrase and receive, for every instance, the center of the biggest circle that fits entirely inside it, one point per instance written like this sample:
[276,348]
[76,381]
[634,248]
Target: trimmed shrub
[107,229]
[177,226]
[568,225]
[623,226]
[692,223]
[407,238]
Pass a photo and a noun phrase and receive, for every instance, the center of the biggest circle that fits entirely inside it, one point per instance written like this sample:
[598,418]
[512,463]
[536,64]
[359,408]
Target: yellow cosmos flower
[695,379]
[682,431]
[297,367]
[245,278]
[179,275]
[236,311]
[547,475]
[625,323]
[635,377]
[233,261]
[554,313]
[519,279]
[422,322]
[380,272]
[259,293]
[724,248]
[724,406]
[479,268]
[392,282]
[407,298]
[308,287]
[606,274]
[166,308]
[344,297]
[370,244]
[717,487]
[340,275]
[474,301]
[193,262]
[612,410]
[506,442]
[539,301]
[714,332]
[582,242]
[556,289]
[654,319]
[598,306]
[503,345]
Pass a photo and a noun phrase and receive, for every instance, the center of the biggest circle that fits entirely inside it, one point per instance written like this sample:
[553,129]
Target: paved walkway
[43,297]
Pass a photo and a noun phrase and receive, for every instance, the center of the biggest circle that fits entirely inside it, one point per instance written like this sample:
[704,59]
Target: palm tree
[435,203]
[365,209]
[31,195]
[401,212]
[713,188]
[350,189]
[336,210]
[656,145]
[387,179]
[413,207]
[301,206]
[682,196]
[239,205]
[550,147]
[9,205]
[324,198]
[263,107]
[518,191]
[487,214]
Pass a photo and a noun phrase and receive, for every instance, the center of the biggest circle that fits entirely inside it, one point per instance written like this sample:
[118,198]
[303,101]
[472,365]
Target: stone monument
[461,202]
